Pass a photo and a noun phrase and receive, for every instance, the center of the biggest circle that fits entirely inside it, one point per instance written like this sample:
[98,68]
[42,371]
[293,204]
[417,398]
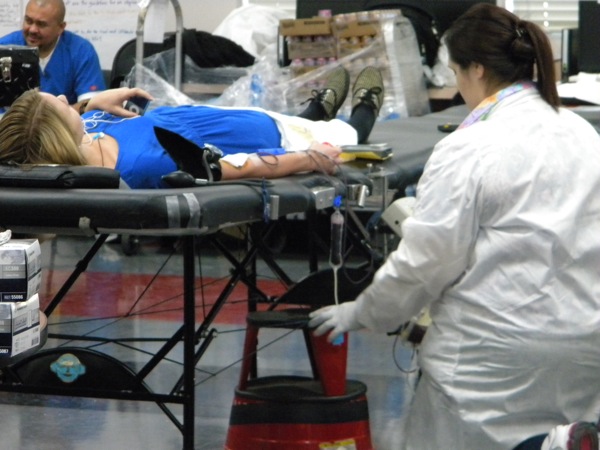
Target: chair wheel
[130,244]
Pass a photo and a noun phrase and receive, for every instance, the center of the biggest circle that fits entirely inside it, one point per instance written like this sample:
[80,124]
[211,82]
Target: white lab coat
[504,245]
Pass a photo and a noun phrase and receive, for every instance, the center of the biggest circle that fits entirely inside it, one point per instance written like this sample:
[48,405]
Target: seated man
[69,64]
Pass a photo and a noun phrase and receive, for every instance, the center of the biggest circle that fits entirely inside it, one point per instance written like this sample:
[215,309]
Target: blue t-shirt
[73,69]
[142,161]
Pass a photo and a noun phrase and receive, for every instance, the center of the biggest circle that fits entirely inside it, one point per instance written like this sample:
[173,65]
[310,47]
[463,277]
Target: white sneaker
[575,436]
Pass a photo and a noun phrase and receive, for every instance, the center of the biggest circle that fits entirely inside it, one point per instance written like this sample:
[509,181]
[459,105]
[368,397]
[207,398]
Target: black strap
[58,176]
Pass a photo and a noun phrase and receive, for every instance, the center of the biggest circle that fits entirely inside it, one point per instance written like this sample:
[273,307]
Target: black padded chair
[124,59]
[205,50]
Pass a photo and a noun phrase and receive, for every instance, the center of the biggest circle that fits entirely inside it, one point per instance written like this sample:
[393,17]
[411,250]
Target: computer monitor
[311,8]
[443,11]
[589,36]
[569,54]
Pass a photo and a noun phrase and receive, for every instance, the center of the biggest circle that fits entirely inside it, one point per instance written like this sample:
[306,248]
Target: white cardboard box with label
[19,326]
[20,270]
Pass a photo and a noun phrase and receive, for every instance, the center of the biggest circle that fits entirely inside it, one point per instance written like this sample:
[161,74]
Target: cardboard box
[19,326]
[355,31]
[318,47]
[20,270]
[349,29]
[305,27]
[306,38]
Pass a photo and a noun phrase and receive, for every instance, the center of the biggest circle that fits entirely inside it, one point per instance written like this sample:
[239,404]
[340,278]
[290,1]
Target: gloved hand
[337,318]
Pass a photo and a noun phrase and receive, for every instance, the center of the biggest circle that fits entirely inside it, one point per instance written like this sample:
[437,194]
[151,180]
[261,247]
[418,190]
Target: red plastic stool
[291,413]
[328,361]
[298,413]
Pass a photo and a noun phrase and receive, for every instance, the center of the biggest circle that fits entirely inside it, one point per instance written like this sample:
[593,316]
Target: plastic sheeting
[267,85]
[395,52]
[254,27]
[163,92]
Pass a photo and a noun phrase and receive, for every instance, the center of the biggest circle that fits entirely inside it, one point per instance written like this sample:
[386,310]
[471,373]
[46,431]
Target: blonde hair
[33,132]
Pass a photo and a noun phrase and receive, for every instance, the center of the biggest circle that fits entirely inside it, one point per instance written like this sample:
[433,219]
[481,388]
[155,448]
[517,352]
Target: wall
[110,23]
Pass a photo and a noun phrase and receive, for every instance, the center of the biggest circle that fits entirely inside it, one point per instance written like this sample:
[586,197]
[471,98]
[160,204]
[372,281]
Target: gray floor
[45,422]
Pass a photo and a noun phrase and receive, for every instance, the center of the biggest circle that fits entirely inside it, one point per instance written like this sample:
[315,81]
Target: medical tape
[194,209]
[174,211]
[173,216]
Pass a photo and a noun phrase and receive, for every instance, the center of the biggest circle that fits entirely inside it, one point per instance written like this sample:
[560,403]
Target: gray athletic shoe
[368,89]
[332,96]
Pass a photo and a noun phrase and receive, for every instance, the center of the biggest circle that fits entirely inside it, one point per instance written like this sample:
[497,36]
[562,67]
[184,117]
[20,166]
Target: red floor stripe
[103,294]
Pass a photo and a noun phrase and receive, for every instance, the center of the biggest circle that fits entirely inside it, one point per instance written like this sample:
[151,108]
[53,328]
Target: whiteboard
[107,24]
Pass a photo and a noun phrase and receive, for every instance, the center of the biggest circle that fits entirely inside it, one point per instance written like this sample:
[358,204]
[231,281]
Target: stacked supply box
[19,326]
[384,39]
[20,280]
[309,43]
[306,43]
[355,31]
[360,40]
[308,48]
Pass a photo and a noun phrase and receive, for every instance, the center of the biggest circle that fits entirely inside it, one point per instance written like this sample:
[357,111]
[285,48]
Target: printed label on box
[305,27]
[19,326]
[20,270]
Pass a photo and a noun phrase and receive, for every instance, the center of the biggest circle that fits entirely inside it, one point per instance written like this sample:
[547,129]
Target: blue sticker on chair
[67,368]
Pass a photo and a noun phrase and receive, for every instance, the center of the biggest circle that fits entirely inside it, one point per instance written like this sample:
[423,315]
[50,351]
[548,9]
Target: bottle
[256,90]
[337,234]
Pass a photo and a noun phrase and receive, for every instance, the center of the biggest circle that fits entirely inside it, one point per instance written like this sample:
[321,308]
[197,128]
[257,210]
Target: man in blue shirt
[69,64]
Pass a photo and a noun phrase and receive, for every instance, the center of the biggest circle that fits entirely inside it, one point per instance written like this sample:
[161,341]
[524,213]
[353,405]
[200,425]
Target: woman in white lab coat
[504,247]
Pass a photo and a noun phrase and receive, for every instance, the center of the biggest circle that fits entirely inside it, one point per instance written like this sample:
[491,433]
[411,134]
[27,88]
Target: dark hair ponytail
[544,63]
[509,48]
